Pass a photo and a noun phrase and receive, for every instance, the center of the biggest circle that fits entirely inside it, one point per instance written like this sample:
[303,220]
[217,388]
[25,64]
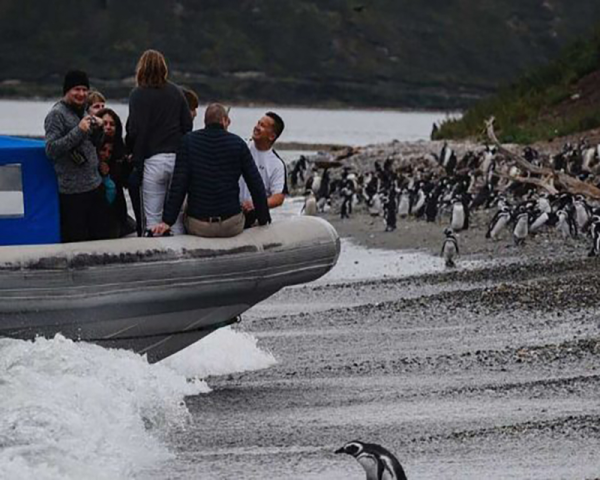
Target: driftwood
[551,180]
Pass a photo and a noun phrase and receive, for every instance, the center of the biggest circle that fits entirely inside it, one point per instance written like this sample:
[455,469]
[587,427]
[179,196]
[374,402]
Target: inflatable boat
[154,296]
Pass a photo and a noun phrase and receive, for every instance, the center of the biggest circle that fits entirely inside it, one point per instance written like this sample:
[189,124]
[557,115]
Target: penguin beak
[340,450]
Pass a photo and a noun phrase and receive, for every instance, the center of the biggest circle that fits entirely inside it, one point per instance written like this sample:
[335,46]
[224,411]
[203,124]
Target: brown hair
[191,97]
[94,97]
[151,70]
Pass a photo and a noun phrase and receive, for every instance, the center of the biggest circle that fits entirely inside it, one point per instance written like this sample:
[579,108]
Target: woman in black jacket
[158,117]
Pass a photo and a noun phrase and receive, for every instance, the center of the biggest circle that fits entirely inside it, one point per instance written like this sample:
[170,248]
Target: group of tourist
[207,182]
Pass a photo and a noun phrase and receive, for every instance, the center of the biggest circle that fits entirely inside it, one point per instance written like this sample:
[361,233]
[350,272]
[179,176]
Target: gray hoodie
[63,136]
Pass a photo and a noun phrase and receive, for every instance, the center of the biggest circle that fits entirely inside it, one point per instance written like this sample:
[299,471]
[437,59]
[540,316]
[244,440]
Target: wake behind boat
[155,296]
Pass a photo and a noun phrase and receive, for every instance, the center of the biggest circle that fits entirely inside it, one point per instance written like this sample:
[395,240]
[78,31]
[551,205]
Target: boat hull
[156,295]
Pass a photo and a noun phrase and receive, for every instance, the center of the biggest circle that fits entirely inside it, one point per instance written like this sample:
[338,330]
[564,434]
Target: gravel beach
[487,372]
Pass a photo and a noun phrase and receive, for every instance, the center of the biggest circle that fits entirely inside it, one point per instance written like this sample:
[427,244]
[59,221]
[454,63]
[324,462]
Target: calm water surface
[320,126]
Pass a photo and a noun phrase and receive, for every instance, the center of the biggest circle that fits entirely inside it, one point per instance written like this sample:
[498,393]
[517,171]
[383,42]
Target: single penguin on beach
[377,462]
[450,248]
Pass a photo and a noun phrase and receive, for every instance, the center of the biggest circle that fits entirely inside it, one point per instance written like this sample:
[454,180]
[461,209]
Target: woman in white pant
[158,117]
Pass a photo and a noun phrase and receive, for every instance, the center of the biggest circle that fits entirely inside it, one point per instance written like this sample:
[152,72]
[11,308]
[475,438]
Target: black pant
[84,216]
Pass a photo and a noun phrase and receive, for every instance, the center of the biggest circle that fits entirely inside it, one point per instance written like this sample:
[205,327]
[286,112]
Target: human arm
[136,127]
[185,117]
[179,183]
[255,185]
[59,143]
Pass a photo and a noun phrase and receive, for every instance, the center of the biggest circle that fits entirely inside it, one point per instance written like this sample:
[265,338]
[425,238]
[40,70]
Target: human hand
[85,124]
[247,206]
[160,229]
[104,168]
[96,121]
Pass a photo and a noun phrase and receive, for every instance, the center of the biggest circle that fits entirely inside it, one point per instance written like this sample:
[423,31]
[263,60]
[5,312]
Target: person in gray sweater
[71,142]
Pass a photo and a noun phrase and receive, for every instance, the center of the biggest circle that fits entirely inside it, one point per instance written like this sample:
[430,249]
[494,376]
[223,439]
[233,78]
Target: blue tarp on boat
[29,212]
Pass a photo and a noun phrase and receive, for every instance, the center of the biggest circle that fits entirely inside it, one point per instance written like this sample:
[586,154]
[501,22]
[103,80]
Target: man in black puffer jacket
[208,166]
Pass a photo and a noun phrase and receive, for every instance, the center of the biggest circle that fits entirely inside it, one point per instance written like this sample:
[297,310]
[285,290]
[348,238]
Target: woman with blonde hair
[158,117]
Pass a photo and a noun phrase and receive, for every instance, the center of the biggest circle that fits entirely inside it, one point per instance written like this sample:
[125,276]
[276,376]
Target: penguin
[377,462]
[541,220]
[521,228]
[375,205]
[431,206]
[404,207]
[450,248]
[390,210]
[566,225]
[583,213]
[316,182]
[595,233]
[419,209]
[310,204]
[498,223]
[458,220]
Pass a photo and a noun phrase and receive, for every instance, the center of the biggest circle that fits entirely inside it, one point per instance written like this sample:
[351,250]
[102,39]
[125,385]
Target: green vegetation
[552,101]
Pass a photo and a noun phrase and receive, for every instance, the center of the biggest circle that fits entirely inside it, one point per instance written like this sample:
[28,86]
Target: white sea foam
[74,410]
[222,352]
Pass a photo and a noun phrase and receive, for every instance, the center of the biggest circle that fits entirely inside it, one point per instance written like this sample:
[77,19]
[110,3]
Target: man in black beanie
[71,142]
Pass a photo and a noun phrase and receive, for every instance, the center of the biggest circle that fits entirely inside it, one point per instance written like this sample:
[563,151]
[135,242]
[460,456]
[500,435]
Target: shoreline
[414,235]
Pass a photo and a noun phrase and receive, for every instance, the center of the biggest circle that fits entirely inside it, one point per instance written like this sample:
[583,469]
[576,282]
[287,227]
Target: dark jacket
[208,168]
[158,118]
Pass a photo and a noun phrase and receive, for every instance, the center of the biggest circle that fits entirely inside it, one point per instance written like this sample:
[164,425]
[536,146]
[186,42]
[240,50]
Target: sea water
[303,125]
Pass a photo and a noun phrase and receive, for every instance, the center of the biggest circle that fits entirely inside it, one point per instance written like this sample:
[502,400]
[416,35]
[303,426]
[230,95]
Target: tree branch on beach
[552,180]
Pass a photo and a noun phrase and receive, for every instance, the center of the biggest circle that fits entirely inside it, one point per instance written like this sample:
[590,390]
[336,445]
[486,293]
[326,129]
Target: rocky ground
[485,373]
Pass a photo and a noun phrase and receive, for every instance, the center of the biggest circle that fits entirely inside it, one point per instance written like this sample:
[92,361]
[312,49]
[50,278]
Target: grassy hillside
[558,99]
[440,53]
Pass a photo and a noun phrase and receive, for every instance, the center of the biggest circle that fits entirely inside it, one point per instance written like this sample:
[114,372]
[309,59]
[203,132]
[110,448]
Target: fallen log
[553,181]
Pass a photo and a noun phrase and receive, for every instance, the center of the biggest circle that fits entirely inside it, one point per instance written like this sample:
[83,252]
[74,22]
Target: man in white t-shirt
[270,165]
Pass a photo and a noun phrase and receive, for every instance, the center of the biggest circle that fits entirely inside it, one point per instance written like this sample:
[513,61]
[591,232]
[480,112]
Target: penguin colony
[445,189]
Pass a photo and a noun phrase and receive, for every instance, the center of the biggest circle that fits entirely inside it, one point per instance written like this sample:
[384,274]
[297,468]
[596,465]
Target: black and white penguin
[542,219]
[566,225]
[498,223]
[583,213]
[459,217]
[521,227]
[595,234]
[450,248]
[310,204]
[431,206]
[448,159]
[377,462]
[390,208]
[375,206]
[404,207]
